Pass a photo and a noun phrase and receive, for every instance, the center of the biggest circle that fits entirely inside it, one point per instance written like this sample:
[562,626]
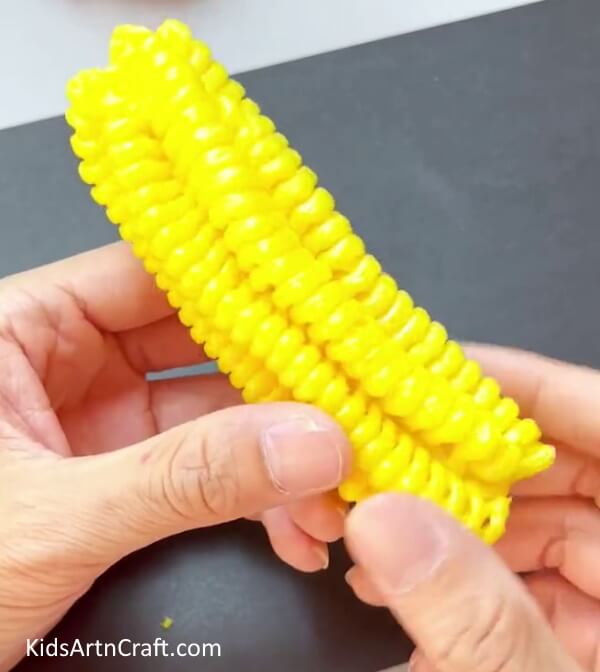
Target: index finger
[563,398]
[109,285]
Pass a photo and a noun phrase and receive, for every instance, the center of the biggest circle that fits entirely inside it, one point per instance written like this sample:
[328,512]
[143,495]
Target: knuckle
[489,639]
[200,482]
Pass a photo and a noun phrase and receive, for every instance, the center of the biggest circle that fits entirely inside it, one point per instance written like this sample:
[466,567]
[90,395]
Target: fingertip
[321,517]
[398,539]
[305,453]
[293,546]
[381,510]
[419,663]
[363,588]
[320,421]
[321,552]
[338,436]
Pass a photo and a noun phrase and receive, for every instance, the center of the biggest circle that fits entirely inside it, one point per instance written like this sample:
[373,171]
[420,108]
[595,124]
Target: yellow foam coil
[274,283]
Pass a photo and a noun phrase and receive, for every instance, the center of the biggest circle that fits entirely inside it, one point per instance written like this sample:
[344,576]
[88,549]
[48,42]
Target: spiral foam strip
[276,286]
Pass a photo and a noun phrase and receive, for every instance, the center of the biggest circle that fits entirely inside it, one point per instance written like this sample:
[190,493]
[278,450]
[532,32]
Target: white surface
[44,42]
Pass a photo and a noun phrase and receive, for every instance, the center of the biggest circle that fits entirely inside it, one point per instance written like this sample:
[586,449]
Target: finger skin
[535,531]
[575,617]
[180,400]
[321,517]
[26,414]
[108,285]
[223,466]
[291,544]
[299,532]
[152,407]
[460,604]
[419,663]
[66,520]
[159,346]
[559,533]
[296,545]
[363,587]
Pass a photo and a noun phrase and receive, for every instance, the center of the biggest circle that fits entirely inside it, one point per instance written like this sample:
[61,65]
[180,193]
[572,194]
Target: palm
[79,387]
[93,419]
[110,403]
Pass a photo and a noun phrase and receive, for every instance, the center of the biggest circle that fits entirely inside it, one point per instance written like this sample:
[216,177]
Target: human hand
[465,610]
[96,461]
[469,614]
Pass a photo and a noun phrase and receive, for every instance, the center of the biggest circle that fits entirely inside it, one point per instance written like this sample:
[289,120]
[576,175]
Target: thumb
[460,604]
[223,466]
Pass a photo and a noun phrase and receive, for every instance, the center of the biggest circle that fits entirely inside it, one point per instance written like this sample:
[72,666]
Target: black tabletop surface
[468,157]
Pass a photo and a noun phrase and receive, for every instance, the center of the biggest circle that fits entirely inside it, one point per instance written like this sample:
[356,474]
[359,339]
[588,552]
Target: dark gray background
[468,156]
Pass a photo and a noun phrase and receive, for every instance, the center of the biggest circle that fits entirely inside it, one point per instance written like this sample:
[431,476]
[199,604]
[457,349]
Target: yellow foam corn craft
[274,283]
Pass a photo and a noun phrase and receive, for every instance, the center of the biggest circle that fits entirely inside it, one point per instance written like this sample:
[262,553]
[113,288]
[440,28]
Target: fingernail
[342,511]
[348,576]
[323,556]
[415,664]
[398,539]
[304,457]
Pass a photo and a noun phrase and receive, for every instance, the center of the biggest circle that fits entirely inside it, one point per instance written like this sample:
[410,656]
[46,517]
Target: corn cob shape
[277,287]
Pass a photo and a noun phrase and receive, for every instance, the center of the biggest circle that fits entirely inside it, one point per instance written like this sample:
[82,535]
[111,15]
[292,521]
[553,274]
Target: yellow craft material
[273,282]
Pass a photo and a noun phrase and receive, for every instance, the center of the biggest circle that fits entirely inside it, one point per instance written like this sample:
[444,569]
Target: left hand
[97,461]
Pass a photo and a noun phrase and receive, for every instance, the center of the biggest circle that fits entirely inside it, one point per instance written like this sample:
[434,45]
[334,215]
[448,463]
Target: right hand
[469,613]
[461,605]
